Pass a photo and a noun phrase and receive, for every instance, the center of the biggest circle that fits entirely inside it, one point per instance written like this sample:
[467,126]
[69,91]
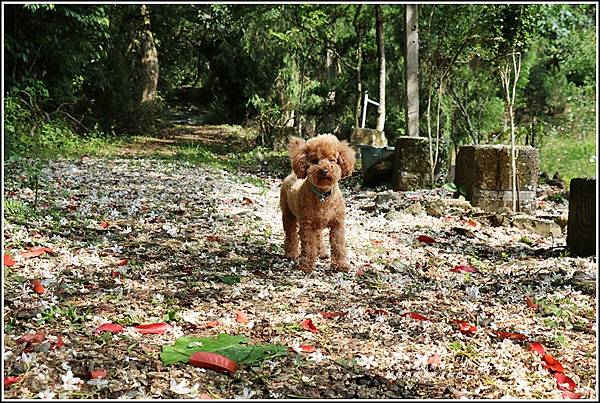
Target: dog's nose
[324,171]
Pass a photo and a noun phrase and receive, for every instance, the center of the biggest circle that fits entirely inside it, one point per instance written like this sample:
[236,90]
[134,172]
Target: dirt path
[141,241]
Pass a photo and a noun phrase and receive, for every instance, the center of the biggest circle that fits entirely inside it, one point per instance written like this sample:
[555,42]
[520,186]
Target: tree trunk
[411,58]
[149,59]
[381,59]
[358,29]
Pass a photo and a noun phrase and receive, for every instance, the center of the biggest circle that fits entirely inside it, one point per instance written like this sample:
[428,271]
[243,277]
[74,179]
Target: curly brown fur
[317,164]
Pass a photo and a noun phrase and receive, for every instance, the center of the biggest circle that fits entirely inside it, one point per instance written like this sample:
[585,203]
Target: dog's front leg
[337,240]
[309,247]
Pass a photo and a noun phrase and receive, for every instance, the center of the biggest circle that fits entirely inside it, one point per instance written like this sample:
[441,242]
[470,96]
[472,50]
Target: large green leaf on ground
[234,347]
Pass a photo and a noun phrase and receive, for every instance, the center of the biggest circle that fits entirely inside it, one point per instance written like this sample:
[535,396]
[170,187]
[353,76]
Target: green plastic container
[370,155]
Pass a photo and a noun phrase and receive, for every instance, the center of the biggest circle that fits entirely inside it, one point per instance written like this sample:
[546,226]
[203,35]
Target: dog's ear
[296,148]
[346,159]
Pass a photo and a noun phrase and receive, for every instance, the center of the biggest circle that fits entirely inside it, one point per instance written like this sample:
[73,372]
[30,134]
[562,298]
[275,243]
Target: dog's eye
[333,160]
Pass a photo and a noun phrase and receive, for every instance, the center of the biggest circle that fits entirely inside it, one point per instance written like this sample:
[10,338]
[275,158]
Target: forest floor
[197,250]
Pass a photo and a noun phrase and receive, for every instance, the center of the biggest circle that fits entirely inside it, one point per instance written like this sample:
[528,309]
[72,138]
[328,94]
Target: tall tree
[381,60]
[149,66]
[412,76]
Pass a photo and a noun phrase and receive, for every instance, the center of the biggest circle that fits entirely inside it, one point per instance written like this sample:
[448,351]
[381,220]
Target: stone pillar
[411,165]
[369,137]
[581,226]
[483,171]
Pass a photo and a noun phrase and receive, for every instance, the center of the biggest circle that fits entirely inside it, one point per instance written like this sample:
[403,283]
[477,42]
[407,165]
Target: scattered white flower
[317,356]
[181,388]
[116,249]
[26,358]
[420,360]
[473,292]
[46,395]
[366,361]
[70,382]
[246,394]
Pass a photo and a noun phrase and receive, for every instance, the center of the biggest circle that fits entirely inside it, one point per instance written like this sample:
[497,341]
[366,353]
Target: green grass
[570,157]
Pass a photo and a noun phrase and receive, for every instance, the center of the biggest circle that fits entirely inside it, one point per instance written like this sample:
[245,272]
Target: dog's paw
[305,268]
[323,255]
[341,266]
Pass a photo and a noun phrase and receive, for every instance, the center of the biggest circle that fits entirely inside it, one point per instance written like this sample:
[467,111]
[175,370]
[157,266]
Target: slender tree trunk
[411,58]
[381,58]
[510,93]
[358,29]
[149,59]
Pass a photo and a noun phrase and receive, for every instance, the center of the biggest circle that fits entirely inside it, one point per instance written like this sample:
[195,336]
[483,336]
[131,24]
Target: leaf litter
[188,241]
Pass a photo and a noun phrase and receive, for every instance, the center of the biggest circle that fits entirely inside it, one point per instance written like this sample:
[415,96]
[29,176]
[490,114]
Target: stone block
[411,163]
[371,137]
[484,171]
[581,224]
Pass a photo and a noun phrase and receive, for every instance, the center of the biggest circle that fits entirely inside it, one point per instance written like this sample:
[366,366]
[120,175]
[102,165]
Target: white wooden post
[366,102]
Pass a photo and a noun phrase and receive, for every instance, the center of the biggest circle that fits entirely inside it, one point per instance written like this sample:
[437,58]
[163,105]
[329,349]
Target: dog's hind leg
[290,227]
[323,252]
[337,240]
[308,240]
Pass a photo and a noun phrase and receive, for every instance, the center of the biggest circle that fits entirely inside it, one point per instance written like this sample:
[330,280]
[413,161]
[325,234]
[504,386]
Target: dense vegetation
[75,72]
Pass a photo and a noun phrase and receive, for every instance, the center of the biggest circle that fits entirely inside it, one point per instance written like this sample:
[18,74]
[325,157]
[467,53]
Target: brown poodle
[311,200]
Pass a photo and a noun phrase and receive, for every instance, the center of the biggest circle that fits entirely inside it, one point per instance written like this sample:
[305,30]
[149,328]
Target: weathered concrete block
[371,137]
[484,171]
[581,224]
[411,163]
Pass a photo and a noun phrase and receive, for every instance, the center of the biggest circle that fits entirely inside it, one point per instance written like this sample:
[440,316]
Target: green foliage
[233,347]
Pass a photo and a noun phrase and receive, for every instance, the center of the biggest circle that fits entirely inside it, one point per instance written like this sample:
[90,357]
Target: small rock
[387,198]
[393,215]
[414,209]
[545,228]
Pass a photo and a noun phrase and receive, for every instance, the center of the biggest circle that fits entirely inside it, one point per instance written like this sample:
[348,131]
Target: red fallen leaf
[58,344]
[213,361]
[307,324]
[122,262]
[114,274]
[434,360]
[551,363]
[376,242]
[538,348]
[247,200]
[211,324]
[360,271]
[97,374]
[471,222]
[241,317]
[153,328]
[213,238]
[333,314]
[8,260]
[531,304]
[465,327]
[104,224]
[510,335]
[571,395]
[468,269]
[38,286]
[33,252]
[9,380]
[415,316]
[425,239]
[109,327]
[32,338]
[72,207]
[563,382]
[307,349]
[377,312]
